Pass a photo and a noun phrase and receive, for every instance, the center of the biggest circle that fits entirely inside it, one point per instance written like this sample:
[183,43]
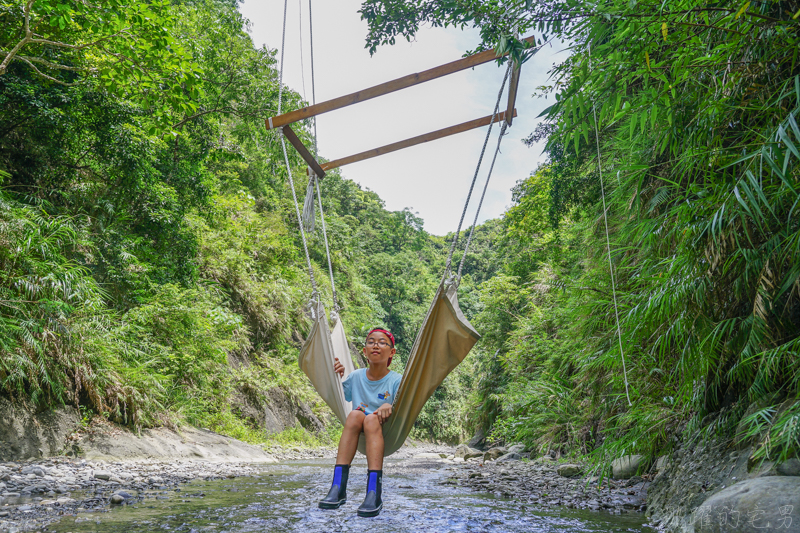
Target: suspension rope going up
[314,293]
[480,203]
[477,169]
[314,177]
[608,241]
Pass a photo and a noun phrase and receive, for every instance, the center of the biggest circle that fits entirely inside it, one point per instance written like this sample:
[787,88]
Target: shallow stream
[283,498]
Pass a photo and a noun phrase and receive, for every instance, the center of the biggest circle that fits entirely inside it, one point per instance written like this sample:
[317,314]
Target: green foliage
[128,48]
[695,109]
[153,271]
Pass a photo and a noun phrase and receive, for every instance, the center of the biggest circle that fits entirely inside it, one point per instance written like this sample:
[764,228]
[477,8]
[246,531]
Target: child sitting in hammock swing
[372,391]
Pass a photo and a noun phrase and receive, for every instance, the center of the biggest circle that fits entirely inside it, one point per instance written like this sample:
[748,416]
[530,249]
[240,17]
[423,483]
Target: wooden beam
[512,92]
[385,88]
[438,134]
[303,151]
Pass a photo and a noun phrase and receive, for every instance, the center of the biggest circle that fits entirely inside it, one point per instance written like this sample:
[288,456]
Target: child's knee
[355,420]
[372,423]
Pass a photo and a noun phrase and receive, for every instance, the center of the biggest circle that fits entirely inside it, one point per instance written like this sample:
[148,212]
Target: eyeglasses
[382,343]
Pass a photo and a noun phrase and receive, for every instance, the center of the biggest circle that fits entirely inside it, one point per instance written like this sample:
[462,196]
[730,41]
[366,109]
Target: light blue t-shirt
[368,395]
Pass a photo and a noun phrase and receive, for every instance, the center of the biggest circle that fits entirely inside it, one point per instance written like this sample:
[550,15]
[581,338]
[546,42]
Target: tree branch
[45,76]
[26,27]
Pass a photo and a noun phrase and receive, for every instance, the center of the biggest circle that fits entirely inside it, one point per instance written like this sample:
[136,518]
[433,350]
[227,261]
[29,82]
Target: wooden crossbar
[303,151]
[512,92]
[438,134]
[385,88]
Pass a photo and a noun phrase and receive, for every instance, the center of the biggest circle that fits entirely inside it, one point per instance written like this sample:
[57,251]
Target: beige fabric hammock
[443,341]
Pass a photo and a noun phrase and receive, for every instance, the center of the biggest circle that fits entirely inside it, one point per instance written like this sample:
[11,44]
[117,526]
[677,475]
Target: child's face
[378,348]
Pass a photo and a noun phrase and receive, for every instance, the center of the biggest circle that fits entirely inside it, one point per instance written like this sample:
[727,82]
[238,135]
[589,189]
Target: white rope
[480,203]
[327,248]
[608,241]
[314,177]
[286,160]
[477,169]
[311,54]
[302,66]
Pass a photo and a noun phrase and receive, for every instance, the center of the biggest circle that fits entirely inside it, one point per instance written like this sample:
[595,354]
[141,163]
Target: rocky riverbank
[538,482]
[35,493]
[543,482]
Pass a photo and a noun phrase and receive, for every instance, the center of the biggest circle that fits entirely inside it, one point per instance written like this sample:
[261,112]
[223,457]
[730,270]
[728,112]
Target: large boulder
[494,453]
[478,440]
[510,456]
[769,503]
[789,468]
[568,470]
[516,448]
[465,452]
[626,466]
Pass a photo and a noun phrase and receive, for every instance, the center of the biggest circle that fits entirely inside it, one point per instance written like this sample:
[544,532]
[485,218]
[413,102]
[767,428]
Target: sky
[432,179]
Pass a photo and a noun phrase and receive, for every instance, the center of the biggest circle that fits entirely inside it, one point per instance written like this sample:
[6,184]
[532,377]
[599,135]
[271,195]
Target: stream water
[284,498]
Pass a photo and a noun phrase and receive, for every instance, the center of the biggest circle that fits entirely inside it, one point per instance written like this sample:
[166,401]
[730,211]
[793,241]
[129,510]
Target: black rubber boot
[372,503]
[337,496]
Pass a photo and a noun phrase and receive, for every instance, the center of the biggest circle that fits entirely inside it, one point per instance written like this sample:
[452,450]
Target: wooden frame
[282,121]
[386,88]
[512,93]
[432,136]
[292,137]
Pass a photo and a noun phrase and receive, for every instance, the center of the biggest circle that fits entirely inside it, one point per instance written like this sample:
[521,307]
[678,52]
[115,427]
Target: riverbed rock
[769,503]
[661,463]
[102,474]
[568,470]
[120,497]
[429,455]
[35,470]
[509,457]
[626,467]
[517,448]
[465,452]
[478,440]
[790,467]
[493,453]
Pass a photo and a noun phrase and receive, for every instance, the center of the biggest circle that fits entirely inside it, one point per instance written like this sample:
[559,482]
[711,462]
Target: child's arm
[338,367]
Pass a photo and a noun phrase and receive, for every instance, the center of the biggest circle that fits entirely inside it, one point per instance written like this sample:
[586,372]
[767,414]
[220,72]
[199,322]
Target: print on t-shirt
[368,395]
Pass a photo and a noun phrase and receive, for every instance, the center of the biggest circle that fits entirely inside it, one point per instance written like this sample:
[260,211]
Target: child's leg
[337,495]
[373,431]
[348,444]
[373,502]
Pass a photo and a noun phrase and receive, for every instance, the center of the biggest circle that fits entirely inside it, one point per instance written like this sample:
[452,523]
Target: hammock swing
[446,336]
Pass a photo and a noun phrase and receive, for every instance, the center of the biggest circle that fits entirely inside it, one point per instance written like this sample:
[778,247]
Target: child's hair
[388,334]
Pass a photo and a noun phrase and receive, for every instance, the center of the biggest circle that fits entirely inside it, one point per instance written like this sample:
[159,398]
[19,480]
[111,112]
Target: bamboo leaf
[742,10]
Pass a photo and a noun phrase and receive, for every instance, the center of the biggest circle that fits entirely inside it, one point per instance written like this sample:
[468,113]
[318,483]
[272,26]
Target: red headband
[385,331]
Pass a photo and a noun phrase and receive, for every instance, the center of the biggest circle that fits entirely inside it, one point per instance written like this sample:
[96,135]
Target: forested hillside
[644,283]
[151,267]
[692,110]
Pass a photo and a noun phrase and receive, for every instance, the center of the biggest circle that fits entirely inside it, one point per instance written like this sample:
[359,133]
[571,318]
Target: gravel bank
[538,482]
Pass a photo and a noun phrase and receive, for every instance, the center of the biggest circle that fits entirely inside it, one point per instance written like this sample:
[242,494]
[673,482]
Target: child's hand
[338,367]
[384,412]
